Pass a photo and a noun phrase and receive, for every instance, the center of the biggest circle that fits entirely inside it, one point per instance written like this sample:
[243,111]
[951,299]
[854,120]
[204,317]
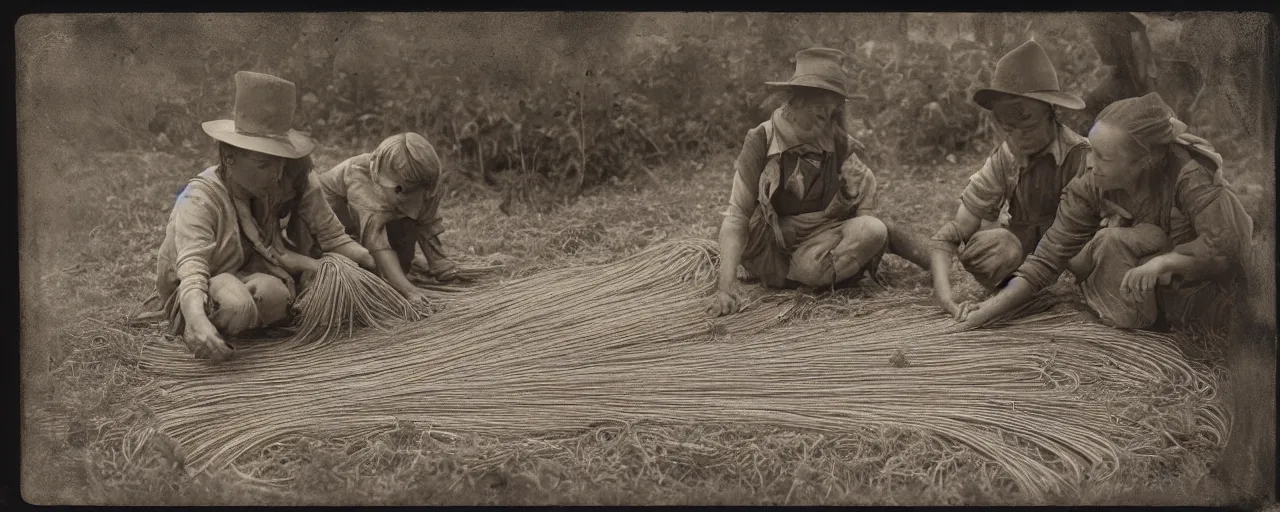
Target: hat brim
[812,84]
[985,97]
[224,130]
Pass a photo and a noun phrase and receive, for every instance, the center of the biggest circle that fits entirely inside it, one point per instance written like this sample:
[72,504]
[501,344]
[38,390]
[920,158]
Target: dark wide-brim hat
[1027,71]
[821,68]
[263,118]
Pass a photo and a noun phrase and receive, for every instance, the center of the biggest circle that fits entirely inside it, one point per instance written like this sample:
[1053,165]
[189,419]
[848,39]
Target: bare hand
[945,302]
[1142,279]
[203,340]
[724,303]
[308,265]
[416,297]
[964,309]
[366,261]
[971,316]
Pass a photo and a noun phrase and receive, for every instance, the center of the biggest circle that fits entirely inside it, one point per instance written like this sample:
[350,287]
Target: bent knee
[265,288]
[1141,239]
[996,239]
[991,256]
[866,230]
[270,296]
[812,273]
[229,292]
[234,308]
[994,246]
[1110,236]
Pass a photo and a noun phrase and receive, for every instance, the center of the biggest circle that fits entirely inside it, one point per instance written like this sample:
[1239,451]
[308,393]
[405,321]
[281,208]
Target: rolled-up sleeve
[319,217]
[1076,223]
[947,239]
[195,221]
[746,174]
[985,194]
[1224,230]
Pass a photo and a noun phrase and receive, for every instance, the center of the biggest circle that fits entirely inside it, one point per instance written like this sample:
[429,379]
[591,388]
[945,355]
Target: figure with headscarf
[802,208]
[1010,202]
[389,200]
[1153,233]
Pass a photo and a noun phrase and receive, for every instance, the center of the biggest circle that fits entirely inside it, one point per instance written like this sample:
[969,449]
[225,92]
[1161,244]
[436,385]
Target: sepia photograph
[647,258]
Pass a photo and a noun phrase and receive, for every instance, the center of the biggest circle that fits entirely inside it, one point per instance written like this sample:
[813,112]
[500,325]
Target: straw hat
[263,118]
[821,68]
[1026,71]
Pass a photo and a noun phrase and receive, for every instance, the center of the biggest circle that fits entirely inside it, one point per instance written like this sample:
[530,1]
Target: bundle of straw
[341,294]
[630,341]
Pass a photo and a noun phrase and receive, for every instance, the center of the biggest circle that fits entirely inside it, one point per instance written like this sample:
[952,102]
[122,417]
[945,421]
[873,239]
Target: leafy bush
[558,102]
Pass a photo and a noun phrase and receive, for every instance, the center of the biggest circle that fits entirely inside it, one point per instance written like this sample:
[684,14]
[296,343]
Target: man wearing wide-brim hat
[1176,244]
[1011,201]
[802,209]
[223,267]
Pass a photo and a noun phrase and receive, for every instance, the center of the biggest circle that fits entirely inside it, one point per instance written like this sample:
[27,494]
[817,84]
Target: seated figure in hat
[389,200]
[223,267]
[1153,233]
[1010,202]
[802,208]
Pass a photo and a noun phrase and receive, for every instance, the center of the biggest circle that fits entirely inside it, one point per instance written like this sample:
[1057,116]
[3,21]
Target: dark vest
[822,183]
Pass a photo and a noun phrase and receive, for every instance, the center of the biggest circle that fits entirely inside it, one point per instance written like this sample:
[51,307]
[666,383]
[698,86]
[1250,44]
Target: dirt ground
[88,260]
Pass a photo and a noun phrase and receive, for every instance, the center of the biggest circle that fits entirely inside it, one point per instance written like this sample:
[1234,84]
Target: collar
[783,136]
[779,146]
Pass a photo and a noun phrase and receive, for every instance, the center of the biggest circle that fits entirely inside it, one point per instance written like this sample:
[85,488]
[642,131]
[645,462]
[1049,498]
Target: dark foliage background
[565,100]
[574,98]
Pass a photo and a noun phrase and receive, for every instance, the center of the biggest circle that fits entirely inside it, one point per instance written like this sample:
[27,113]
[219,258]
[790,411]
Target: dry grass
[77,350]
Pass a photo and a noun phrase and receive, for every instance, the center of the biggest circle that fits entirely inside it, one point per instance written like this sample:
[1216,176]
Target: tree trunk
[1247,465]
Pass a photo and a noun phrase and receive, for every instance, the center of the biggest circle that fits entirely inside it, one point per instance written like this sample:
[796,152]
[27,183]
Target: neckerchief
[809,141]
[268,244]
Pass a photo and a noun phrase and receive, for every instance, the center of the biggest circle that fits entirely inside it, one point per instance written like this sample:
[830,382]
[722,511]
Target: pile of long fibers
[342,297]
[631,341]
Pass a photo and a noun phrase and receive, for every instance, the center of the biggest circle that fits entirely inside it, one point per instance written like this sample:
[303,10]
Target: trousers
[822,251]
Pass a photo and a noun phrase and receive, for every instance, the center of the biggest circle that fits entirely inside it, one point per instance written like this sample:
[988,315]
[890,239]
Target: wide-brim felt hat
[263,118]
[1027,71]
[821,68]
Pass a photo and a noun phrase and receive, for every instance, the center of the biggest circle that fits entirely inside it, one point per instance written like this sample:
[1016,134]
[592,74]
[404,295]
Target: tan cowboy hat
[263,118]
[1026,71]
[821,68]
